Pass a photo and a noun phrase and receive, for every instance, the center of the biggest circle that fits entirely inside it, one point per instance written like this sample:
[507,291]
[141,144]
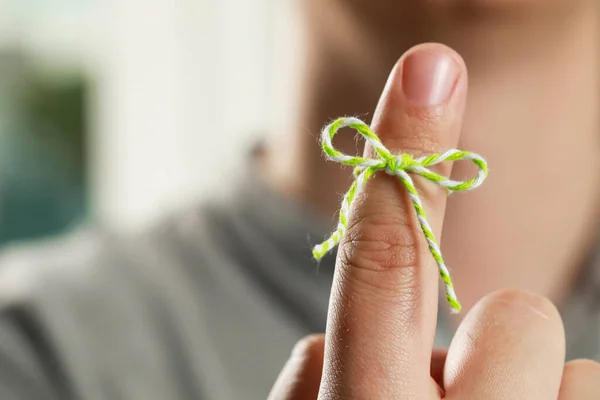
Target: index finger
[383,307]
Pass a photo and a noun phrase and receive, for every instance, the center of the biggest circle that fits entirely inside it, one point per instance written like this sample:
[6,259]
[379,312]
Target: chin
[499,9]
[434,6]
[507,3]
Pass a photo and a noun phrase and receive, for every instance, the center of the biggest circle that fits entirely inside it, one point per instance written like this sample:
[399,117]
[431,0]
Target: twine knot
[395,163]
[399,166]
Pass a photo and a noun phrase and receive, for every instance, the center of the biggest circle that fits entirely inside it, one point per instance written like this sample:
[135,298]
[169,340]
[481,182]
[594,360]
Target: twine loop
[400,166]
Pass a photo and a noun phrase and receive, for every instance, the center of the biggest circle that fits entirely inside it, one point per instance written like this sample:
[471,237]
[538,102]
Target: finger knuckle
[378,242]
[381,252]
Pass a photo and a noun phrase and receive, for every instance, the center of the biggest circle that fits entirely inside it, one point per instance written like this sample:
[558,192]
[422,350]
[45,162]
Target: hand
[383,308]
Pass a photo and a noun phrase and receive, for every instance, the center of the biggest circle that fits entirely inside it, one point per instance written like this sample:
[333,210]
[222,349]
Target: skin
[533,99]
[531,111]
[382,315]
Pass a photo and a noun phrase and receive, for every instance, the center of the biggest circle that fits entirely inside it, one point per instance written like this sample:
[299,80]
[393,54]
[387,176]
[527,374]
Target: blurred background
[113,110]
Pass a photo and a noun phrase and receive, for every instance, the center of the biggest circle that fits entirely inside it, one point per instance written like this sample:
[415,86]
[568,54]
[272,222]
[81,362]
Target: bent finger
[301,376]
[510,346]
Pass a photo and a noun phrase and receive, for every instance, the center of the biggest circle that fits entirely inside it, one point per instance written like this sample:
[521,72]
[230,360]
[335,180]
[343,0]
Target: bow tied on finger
[401,166]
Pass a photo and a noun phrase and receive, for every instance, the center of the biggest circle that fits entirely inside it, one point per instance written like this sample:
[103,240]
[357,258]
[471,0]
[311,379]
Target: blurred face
[382,13]
[399,24]
[450,4]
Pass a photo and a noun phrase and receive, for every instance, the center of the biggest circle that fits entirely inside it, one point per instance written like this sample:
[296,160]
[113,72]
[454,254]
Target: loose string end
[319,251]
[455,306]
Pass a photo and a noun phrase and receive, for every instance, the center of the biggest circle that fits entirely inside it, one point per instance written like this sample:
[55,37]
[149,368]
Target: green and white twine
[400,166]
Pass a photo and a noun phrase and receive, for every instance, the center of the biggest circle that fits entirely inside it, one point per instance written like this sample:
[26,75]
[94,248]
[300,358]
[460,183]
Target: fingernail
[429,77]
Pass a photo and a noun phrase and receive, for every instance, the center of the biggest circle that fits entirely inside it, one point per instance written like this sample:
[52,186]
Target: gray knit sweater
[207,305]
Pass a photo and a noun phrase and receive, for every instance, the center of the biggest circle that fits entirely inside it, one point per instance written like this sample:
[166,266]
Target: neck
[532,119]
[532,113]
